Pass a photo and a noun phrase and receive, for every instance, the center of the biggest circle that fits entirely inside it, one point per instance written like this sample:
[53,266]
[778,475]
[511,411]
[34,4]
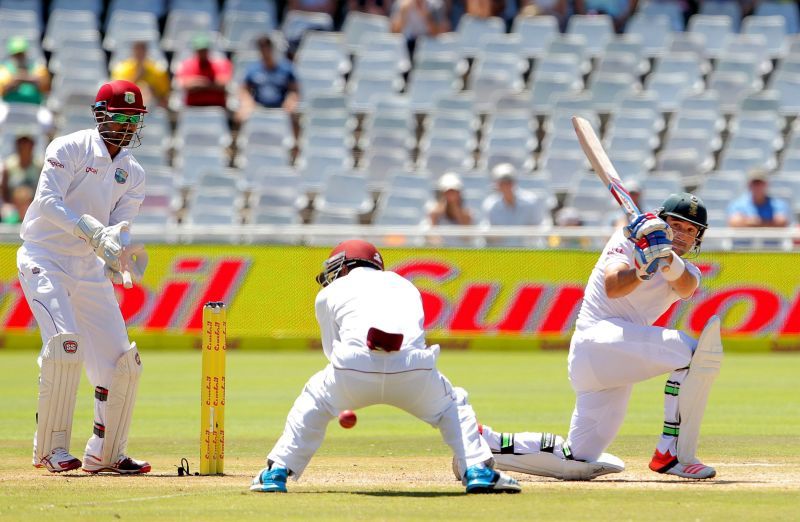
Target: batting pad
[546,464]
[60,374]
[121,399]
[695,389]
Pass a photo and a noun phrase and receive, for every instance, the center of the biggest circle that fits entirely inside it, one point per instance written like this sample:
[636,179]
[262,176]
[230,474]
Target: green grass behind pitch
[753,417]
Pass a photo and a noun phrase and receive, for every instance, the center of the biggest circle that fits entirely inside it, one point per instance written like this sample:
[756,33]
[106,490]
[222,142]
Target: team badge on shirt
[130,98]
[120,176]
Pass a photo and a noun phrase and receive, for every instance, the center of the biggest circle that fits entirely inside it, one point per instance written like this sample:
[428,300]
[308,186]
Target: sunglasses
[117,117]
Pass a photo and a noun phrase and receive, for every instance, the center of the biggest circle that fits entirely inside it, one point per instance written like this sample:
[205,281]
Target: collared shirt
[153,76]
[270,86]
[367,298]
[767,211]
[216,70]
[644,305]
[527,209]
[79,177]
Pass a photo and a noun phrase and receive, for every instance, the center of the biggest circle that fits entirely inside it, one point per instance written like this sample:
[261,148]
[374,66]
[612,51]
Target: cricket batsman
[75,243]
[371,323]
[615,345]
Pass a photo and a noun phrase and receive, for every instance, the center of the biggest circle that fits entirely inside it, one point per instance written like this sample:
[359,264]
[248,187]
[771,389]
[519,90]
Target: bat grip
[127,281]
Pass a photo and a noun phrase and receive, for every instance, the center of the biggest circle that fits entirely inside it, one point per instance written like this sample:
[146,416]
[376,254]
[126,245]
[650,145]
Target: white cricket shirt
[79,177]
[367,298]
[643,306]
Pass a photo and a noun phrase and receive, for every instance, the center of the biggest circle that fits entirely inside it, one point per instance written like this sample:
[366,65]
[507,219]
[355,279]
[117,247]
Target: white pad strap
[695,389]
[60,374]
[121,399]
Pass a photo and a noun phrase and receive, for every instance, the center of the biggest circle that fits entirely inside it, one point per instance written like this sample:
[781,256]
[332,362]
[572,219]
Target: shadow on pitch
[683,482]
[412,494]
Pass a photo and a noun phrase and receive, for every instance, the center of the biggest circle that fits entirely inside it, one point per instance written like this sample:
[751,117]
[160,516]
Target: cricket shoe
[270,480]
[668,464]
[123,466]
[58,461]
[481,479]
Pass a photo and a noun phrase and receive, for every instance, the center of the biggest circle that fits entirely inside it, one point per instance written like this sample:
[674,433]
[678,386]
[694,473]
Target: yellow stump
[212,390]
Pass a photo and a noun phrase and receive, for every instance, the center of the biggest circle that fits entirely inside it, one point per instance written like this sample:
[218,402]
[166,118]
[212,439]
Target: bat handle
[127,281]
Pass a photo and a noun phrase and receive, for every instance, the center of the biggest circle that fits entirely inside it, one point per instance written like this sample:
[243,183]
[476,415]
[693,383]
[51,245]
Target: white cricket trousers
[605,361]
[70,294]
[424,393]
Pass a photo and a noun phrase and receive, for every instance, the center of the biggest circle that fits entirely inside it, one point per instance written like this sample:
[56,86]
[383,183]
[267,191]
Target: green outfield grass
[391,466]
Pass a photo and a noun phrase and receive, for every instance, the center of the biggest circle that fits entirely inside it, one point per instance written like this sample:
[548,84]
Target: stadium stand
[683,101]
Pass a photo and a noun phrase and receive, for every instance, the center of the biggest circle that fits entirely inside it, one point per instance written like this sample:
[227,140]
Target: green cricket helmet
[690,208]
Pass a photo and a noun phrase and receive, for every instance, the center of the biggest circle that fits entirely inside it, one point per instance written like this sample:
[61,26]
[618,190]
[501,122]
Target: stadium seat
[359,27]
[597,29]
[471,29]
[535,33]
[653,30]
[715,28]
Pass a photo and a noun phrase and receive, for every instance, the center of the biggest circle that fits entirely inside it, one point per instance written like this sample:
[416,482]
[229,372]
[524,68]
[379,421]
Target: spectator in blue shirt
[757,208]
[270,83]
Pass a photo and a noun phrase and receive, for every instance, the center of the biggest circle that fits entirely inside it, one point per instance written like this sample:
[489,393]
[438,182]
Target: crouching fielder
[75,237]
[616,345]
[371,323]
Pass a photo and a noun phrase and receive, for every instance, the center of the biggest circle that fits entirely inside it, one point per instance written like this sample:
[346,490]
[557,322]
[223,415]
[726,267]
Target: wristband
[676,268]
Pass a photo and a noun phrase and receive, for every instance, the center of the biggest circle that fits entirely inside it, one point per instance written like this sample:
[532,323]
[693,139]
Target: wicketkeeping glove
[645,224]
[107,242]
[134,261]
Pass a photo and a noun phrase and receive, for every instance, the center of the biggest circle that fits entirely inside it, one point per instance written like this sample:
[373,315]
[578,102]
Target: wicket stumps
[212,390]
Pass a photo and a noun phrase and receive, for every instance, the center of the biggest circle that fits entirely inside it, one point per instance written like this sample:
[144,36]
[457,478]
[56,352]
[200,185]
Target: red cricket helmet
[120,96]
[350,253]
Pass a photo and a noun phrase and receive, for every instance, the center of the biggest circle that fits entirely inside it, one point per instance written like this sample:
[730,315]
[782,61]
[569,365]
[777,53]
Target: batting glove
[645,224]
[649,253]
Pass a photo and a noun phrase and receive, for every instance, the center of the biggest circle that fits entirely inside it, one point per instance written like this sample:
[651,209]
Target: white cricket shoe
[123,466]
[668,464]
[58,461]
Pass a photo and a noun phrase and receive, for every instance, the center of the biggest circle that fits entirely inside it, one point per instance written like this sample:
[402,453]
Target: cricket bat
[602,166]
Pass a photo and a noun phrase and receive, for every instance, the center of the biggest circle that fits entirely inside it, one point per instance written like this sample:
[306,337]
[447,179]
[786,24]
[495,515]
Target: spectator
[149,75]
[449,208]
[313,6]
[22,80]
[512,206]
[618,10]
[270,83]
[203,77]
[557,8]
[415,18]
[569,217]
[21,199]
[485,8]
[756,208]
[22,168]
[376,7]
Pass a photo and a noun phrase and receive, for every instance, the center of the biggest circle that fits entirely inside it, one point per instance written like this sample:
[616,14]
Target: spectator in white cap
[449,208]
[512,206]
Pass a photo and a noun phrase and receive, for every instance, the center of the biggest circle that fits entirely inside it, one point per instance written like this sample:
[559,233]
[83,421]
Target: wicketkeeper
[371,322]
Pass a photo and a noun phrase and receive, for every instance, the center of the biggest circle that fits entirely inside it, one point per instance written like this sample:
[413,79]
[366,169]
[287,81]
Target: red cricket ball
[347,419]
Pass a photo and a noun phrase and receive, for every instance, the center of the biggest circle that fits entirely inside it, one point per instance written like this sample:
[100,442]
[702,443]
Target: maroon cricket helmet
[350,253]
[120,96]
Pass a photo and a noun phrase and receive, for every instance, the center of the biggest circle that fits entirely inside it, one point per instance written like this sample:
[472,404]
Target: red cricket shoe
[123,466]
[668,464]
